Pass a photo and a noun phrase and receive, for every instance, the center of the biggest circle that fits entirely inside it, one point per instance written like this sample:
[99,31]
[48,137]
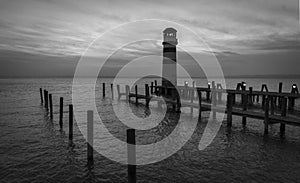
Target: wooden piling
[279,98]
[127,89]
[214,100]
[250,98]
[90,137]
[244,103]
[41,95]
[147,95]
[131,155]
[103,89]
[136,94]
[151,89]
[266,118]
[51,106]
[229,109]
[155,87]
[199,103]
[70,125]
[112,90]
[46,99]
[61,111]
[208,93]
[118,90]
[283,114]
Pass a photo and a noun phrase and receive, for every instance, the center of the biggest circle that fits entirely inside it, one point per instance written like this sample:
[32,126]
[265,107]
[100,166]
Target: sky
[43,38]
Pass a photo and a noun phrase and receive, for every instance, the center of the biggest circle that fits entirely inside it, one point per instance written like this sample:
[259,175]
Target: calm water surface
[33,149]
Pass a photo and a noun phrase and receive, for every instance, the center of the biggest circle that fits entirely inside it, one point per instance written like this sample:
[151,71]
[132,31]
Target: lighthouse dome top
[170,30]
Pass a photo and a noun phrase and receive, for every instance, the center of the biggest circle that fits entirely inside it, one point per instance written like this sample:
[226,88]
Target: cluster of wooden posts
[46,101]
[273,108]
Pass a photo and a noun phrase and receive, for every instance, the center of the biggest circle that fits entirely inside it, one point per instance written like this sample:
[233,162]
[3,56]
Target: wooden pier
[270,107]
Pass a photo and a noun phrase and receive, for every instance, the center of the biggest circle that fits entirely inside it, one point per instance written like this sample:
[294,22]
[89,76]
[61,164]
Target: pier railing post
[90,137]
[41,95]
[229,109]
[61,111]
[266,119]
[51,106]
[283,114]
[131,155]
[70,125]
[208,92]
[103,89]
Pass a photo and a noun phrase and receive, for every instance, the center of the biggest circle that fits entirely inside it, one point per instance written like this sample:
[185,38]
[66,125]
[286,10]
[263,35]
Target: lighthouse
[169,71]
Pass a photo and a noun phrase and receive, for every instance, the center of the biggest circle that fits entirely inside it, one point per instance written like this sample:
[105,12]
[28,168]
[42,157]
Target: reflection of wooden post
[70,124]
[283,114]
[90,137]
[61,110]
[103,89]
[266,121]
[41,94]
[131,155]
[229,109]
[51,106]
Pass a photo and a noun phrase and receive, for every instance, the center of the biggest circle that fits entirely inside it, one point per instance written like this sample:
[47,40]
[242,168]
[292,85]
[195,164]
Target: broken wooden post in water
[61,111]
[41,94]
[103,89]
[131,155]
[90,137]
[70,125]
[51,106]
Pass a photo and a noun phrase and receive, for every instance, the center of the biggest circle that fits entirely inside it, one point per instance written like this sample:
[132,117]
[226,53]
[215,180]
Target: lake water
[33,149]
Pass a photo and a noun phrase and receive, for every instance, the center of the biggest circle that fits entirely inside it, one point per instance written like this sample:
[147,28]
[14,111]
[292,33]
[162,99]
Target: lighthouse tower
[169,71]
